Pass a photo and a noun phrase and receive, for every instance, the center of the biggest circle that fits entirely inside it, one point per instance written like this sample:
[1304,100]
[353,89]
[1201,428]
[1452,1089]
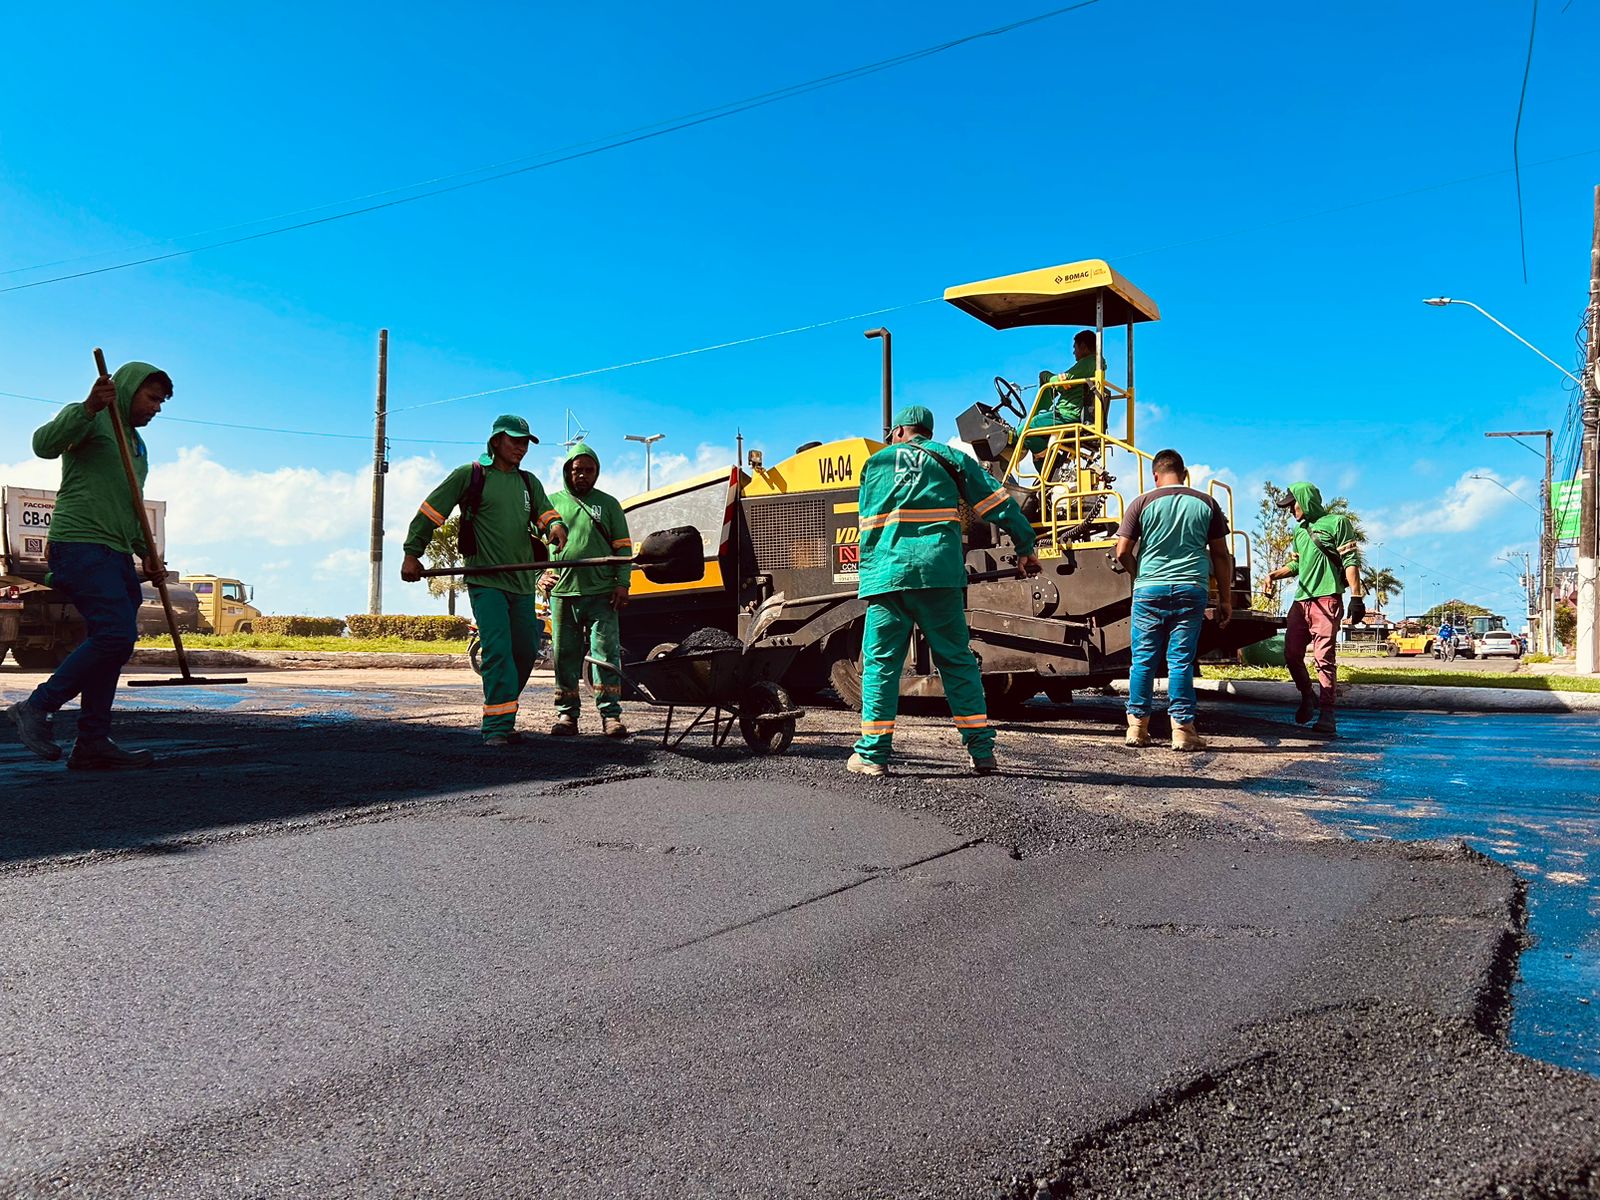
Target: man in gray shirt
[1182,542]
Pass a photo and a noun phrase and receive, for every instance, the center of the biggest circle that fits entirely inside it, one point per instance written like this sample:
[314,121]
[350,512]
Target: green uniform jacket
[94,503]
[1321,530]
[596,528]
[910,518]
[1064,406]
[504,524]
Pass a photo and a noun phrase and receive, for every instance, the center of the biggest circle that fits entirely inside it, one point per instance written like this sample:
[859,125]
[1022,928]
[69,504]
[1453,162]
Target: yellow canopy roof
[1063,295]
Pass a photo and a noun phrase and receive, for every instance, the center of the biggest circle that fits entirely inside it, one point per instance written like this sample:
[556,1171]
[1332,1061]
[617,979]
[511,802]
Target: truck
[39,627]
[782,548]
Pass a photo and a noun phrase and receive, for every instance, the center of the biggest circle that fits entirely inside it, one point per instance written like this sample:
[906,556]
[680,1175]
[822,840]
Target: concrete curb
[1408,696]
[296,660]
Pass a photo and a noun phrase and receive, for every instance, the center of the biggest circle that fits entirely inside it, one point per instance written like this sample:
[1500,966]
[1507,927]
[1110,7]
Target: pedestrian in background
[1173,540]
[94,536]
[504,510]
[585,605]
[1324,560]
[913,576]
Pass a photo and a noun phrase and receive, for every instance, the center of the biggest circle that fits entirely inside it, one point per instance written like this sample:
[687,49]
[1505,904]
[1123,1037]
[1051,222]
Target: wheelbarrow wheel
[763,733]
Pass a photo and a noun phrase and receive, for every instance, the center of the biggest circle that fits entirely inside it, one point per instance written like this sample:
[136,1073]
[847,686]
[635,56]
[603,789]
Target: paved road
[332,947]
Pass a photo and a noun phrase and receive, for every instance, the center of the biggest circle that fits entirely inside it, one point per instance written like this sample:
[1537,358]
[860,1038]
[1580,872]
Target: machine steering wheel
[1010,396]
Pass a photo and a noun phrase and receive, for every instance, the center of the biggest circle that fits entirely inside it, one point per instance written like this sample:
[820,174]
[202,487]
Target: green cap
[512,424]
[914,414]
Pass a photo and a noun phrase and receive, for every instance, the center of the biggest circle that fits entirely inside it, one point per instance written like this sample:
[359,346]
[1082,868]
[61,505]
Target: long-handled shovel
[186,679]
[665,556]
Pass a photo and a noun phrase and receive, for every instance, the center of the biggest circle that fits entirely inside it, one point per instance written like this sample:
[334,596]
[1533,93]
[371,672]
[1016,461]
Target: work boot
[1326,725]
[614,728]
[1308,708]
[495,741]
[860,766]
[1184,737]
[565,726]
[985,766]
[1138,731]
[102,754]
[33,728]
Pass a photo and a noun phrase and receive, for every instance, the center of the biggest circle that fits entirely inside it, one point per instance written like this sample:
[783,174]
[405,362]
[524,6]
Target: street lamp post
[648,440]
[1547,541]
[1587,647]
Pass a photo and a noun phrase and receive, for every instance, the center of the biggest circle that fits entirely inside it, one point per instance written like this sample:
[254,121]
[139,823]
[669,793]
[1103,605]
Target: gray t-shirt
[1174,527]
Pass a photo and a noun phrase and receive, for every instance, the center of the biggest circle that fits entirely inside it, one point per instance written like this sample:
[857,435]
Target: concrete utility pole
[1547,541]
[380,467]
[1588,656]
[648,440]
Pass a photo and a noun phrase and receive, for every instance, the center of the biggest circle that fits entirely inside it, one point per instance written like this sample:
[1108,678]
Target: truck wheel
[844,671]
[32,658]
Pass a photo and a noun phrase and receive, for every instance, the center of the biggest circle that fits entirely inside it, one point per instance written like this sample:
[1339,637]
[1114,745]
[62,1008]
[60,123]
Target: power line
[359,437]
[1516,133]
[706,116]
[640,362]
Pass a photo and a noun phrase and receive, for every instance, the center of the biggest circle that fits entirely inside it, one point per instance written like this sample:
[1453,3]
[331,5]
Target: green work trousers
[585,625]
[941,614]
[508,632]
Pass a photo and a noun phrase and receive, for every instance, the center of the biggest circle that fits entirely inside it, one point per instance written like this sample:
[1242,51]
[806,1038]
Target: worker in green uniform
[1324,559]
[501,507]
[913,573]
[585,605]
[1060,405]
[94,536]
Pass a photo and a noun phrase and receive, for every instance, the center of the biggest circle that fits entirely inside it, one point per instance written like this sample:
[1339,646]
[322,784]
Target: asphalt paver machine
[783,569]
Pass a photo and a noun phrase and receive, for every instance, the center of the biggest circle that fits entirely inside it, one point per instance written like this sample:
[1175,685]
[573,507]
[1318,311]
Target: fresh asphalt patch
[361,956]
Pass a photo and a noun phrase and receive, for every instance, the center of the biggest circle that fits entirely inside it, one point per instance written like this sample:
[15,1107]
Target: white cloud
[31,473]
[623,474]
[343,563]
[1464,506]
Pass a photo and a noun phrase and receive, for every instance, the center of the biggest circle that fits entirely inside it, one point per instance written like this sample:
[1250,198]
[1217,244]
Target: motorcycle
[543,662]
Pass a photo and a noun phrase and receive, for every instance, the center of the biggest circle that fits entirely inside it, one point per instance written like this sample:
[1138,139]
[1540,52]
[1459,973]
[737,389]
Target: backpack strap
[471,501]
[541,552]
[955,476]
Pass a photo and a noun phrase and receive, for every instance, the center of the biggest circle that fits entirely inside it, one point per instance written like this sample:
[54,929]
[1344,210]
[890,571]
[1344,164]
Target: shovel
[187,679]
[665,556]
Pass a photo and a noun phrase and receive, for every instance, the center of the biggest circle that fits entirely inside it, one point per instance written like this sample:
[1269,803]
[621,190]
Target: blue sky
[1246,165]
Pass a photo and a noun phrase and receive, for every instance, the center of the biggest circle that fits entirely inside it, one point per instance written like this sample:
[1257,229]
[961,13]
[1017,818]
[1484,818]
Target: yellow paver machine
[782,549]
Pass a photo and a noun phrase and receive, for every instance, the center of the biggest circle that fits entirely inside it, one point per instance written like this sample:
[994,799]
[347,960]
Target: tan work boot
[1184,737]
[1138,731]
[565,726]
[860,766]
[613,727]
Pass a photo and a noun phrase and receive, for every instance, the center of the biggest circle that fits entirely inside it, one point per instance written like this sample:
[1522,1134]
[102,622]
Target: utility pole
[1546,609]
[648,440]
[380,467]
[1588,656]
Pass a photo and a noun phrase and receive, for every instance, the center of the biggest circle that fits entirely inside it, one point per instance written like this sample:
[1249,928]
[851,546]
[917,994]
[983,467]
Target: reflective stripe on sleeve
[990,502]
[431,513]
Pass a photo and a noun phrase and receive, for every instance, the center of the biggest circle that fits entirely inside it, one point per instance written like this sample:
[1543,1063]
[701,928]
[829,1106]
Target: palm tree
[1380,581]
[1341,507]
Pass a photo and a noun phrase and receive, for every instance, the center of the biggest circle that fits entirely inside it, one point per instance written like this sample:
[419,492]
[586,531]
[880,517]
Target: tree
[1457,610]
[1380,581]
[1274,538]
[1566,624]
[443,553]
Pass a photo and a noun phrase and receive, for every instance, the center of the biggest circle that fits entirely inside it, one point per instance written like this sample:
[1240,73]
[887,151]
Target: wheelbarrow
[727,685]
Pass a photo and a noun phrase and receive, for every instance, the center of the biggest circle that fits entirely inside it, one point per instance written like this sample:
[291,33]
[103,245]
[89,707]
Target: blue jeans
[104,588]
[1166,619]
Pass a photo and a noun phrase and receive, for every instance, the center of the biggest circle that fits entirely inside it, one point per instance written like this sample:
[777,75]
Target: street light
[648,440]
[1503,488]
[1547,538]
[1441,301]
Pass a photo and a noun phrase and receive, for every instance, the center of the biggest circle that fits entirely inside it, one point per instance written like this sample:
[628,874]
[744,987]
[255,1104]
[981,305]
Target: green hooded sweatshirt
[596,528]
[1319,539]
[93,503]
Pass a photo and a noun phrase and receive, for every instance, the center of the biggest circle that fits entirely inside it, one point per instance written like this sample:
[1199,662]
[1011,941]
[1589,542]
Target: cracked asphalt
[332,947]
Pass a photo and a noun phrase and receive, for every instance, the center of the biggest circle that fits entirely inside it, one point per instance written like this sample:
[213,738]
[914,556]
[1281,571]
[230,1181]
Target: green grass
[1416,678]
[282,641]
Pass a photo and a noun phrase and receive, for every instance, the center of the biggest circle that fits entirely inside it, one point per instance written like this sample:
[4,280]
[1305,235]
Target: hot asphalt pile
[333,948]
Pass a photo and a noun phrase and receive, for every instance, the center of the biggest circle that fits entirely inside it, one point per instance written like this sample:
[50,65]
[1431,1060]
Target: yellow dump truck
[224,603]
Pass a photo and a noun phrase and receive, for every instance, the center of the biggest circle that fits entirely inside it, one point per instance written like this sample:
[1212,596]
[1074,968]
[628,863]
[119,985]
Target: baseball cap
[914,414]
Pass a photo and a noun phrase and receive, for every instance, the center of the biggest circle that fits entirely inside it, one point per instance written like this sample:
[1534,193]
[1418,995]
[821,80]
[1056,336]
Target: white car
[1496,641]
